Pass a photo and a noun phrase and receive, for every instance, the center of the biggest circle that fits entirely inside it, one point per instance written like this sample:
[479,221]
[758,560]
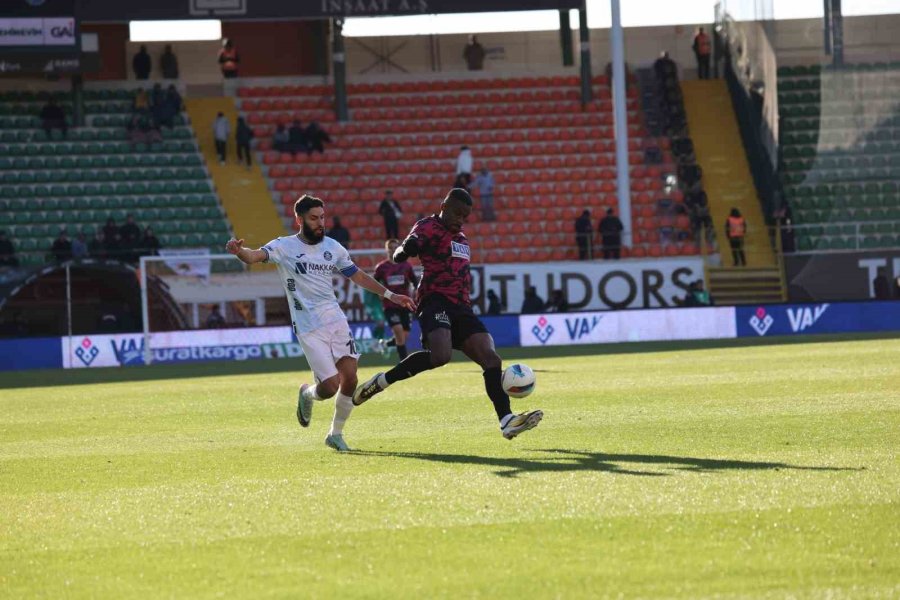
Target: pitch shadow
[620,464]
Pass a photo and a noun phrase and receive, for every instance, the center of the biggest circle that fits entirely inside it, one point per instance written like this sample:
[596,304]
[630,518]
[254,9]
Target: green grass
[761,471]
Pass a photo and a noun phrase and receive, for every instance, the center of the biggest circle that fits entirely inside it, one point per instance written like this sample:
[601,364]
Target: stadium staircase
[550,158]
[840,155]
[729,184]
[95,173]
[243,192]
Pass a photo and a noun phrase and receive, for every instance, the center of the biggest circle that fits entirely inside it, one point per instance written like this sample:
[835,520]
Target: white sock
[382,382]
[342,407]
[310,393]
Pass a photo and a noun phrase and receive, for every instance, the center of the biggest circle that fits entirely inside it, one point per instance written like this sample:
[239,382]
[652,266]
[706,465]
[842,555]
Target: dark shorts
[437,312]
[397,316]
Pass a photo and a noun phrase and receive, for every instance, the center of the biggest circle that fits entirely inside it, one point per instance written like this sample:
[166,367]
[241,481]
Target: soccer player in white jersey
[306,262]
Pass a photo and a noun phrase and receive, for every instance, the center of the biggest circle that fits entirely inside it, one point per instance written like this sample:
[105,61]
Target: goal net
[192,299]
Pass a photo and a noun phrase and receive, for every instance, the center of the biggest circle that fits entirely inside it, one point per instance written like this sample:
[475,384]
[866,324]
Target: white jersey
[306,273]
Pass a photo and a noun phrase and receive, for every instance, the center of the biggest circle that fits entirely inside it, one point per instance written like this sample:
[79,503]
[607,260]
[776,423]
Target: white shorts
[325,346]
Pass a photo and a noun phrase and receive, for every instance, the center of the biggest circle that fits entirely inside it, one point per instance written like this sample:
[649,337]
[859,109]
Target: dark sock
[391,342]
[415,363]
[401,351]
[494,388]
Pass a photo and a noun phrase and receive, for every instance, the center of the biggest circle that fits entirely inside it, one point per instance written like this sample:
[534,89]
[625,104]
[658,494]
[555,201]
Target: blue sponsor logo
[129,351]
[581,327]
[87,352]
[543,330]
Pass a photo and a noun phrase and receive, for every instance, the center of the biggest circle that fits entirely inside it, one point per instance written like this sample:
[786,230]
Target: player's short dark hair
[387,243]
[306,203]
[460,195]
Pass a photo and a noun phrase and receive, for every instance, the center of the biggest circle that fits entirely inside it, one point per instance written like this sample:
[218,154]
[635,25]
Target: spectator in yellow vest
[736,230]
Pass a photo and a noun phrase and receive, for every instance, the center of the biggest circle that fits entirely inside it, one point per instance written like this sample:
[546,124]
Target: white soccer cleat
[366,390]
[521,422]
[337,442]
[304,407]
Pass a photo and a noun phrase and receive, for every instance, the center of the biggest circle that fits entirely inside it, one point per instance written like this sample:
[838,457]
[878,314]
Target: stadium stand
[95,173]
[840,155]
[550,158]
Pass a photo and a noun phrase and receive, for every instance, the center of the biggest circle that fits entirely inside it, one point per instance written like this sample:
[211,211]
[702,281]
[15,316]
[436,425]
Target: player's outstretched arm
[366,282]
[246,255]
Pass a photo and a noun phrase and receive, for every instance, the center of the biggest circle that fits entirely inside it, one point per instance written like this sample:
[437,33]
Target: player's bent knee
[328,388]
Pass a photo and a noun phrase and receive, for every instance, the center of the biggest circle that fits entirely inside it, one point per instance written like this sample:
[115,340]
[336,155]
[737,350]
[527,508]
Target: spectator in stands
[110,230]
[474,54]
[297,138]
[79,247]
[97,245]
[141,64]
[157,104]
[150,243]
[784,219]
[665,67]
[221,129]
[462,182]
[702,48]
[168,63]
[389,209]
[53,117]
[485,184]
[243,136]
[229,59]
[609,75]
[557,302]
[130,237]
[7,252]
[611,235]
[735,231]
[697,295]
[584,231]
[315,138]
[464,162]
[215,320]
[881,285]
[339,233]
[168,108]
[280,139]
[62,247]
[141,103]
[532,304]
[495,305]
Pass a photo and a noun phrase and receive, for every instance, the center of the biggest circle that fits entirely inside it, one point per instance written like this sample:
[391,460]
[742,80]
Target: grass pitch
[766,471]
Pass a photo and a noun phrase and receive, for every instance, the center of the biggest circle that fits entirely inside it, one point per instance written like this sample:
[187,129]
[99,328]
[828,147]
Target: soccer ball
[518,380]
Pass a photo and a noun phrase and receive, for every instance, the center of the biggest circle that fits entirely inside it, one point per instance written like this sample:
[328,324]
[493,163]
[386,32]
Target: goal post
[180,286]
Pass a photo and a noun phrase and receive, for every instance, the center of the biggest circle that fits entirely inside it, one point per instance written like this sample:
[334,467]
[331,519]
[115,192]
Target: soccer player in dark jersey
[445,312]
[395,277]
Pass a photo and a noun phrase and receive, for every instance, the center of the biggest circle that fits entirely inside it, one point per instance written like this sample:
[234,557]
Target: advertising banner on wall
[556,329]
[831,277]
[795,319]
[587,285]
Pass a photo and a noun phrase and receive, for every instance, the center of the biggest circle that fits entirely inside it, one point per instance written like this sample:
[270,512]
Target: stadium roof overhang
[116,10]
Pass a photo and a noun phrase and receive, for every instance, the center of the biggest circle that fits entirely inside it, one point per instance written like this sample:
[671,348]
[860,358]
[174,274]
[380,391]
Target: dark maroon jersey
[445,259]
[396,277]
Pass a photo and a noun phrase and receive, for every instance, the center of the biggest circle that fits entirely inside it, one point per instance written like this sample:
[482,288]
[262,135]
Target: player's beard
[311,234]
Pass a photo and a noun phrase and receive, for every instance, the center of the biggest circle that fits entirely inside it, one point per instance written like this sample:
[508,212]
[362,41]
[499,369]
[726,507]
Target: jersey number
[352,345]
[292,287]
